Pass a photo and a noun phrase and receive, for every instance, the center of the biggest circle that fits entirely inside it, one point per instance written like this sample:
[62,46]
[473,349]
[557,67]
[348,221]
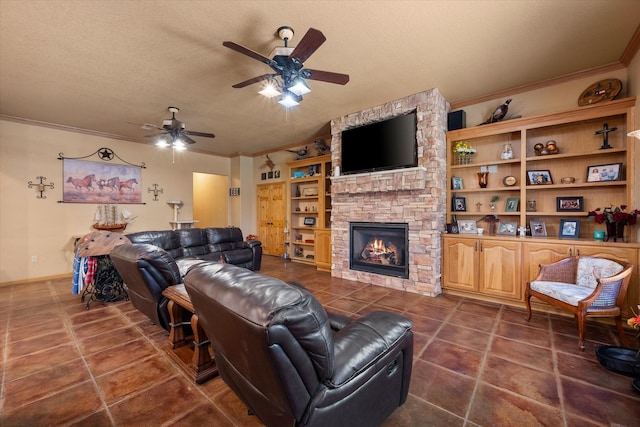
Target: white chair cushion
[566,292]
[590,269]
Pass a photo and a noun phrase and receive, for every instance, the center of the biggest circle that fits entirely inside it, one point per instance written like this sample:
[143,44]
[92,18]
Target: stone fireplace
[412,196]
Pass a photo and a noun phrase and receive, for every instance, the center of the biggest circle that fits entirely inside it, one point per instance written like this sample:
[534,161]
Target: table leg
[203,364]
[176,333]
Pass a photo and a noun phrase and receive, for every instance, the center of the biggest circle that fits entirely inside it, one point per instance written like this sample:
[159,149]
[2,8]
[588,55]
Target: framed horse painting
[94,182]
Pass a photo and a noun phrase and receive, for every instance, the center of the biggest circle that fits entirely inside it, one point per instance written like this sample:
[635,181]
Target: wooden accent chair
[585,286]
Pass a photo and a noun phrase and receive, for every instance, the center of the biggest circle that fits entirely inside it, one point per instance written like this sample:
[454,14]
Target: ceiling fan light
[289,100]
[300,87]
[179,145]
[162,143]
[269,90]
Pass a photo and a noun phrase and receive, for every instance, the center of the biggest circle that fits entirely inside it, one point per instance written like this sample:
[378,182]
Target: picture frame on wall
[507,228]
[511,205]
[538,229]
[600,173]
[570,204]
[456,183]
[569,228]
[539,177]
[459,204]
[467,226]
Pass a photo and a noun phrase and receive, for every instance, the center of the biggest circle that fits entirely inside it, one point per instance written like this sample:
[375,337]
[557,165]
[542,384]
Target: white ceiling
[102,65]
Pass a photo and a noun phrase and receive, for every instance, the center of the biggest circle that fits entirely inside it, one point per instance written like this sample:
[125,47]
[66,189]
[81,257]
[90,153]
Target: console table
[203,366]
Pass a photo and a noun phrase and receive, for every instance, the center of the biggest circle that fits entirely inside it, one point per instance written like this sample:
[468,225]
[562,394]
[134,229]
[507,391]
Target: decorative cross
[605,136]
[155,190]
[41,186]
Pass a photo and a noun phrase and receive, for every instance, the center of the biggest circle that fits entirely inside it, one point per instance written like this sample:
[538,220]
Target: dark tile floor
[475,364]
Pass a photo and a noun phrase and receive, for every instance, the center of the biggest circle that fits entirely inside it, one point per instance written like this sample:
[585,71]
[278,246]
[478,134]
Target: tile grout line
[556,370]
[485,357]
[69,327]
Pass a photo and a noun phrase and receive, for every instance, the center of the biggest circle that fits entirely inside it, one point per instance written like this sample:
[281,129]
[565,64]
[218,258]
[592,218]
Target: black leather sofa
[157,259]
[283,355]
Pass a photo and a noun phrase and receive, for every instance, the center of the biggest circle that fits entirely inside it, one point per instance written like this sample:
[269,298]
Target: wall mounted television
[385,145]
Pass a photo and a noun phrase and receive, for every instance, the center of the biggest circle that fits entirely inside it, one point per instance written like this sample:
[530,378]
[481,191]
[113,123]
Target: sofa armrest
[363,341]
[253,243]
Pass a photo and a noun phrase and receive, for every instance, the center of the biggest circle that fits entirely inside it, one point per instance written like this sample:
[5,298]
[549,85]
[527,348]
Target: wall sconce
[40,186]
[155,190]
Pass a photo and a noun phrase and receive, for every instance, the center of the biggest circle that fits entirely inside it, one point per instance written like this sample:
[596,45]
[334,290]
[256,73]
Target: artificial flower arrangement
[463,147]
[616,214]
[634,321]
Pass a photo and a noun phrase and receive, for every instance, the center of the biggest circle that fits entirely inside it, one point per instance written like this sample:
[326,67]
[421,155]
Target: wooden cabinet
[310,209]
[496,268]
[574,133]
[271,218]
[488,267]
[535,254]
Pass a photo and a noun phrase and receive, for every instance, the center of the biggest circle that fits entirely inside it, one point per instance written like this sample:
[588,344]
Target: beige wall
[210,200]
[45,228]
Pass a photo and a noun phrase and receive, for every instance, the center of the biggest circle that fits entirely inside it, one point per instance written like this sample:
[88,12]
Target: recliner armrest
[363,341]
[253,243]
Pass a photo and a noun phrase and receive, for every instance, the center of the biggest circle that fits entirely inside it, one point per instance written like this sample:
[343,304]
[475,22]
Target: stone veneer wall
[415,196]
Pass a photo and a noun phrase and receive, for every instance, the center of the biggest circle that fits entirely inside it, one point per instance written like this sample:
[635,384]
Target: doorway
[210,200]
[271,217]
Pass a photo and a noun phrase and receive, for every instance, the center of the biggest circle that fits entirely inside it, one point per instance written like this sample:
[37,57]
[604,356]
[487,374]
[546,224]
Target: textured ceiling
[103,65]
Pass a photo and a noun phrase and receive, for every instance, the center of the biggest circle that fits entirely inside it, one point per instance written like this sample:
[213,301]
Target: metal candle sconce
[155,190]
[40,186]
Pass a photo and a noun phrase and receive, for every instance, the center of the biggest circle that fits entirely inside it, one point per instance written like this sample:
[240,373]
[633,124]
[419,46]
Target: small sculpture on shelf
[499,113]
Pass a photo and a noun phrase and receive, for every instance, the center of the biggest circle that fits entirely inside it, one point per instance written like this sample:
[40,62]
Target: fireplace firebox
[380,248]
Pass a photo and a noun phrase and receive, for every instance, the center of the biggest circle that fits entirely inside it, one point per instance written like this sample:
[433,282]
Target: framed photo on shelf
[539,177]
[570,204]
[512,204]
[600,173]
[467,226]
[309,220]
[456,183]
[538,229]
[507,228]
[459,204]
[569,228]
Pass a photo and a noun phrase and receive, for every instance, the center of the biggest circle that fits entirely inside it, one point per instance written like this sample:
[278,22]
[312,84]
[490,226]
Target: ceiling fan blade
[184,138]
[328,76]
[156,134]
[202,134]
[246,51]
[311,41]
[252,81]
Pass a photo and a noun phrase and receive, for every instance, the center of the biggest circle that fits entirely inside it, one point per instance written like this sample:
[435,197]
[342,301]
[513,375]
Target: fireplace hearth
[379,248]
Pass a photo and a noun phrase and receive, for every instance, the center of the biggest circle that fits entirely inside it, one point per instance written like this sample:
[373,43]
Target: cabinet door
[500,269]
[535,254]
[460,264]
[323,249]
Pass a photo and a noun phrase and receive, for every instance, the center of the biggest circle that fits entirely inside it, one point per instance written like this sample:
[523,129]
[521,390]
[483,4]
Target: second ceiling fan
[288,62]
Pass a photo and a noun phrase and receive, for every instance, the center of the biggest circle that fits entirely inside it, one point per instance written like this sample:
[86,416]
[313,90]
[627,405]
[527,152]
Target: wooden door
[460,264]
[323,249]
[271,217]
[500,269]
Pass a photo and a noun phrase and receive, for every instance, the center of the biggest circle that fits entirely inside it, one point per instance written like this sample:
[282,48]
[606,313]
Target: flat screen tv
[385,145]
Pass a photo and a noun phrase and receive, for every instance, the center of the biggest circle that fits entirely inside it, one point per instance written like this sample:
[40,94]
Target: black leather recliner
[275,347]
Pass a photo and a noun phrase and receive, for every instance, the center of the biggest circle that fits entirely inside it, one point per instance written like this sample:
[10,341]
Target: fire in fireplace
[379,248]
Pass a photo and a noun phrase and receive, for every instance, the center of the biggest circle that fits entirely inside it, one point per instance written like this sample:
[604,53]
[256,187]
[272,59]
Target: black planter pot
[620,360]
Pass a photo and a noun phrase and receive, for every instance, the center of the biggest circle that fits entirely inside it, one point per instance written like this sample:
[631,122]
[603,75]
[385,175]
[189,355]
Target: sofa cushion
[566,292]
[193,242]
[590,269]
[223,235]
[238,256]
[165,239]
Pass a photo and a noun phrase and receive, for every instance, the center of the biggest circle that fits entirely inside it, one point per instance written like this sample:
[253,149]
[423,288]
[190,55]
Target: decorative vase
[483,179]
[615,231]
[465,158]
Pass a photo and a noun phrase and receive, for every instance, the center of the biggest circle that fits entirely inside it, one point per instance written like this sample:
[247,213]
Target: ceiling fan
[174,132]
[288,62]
